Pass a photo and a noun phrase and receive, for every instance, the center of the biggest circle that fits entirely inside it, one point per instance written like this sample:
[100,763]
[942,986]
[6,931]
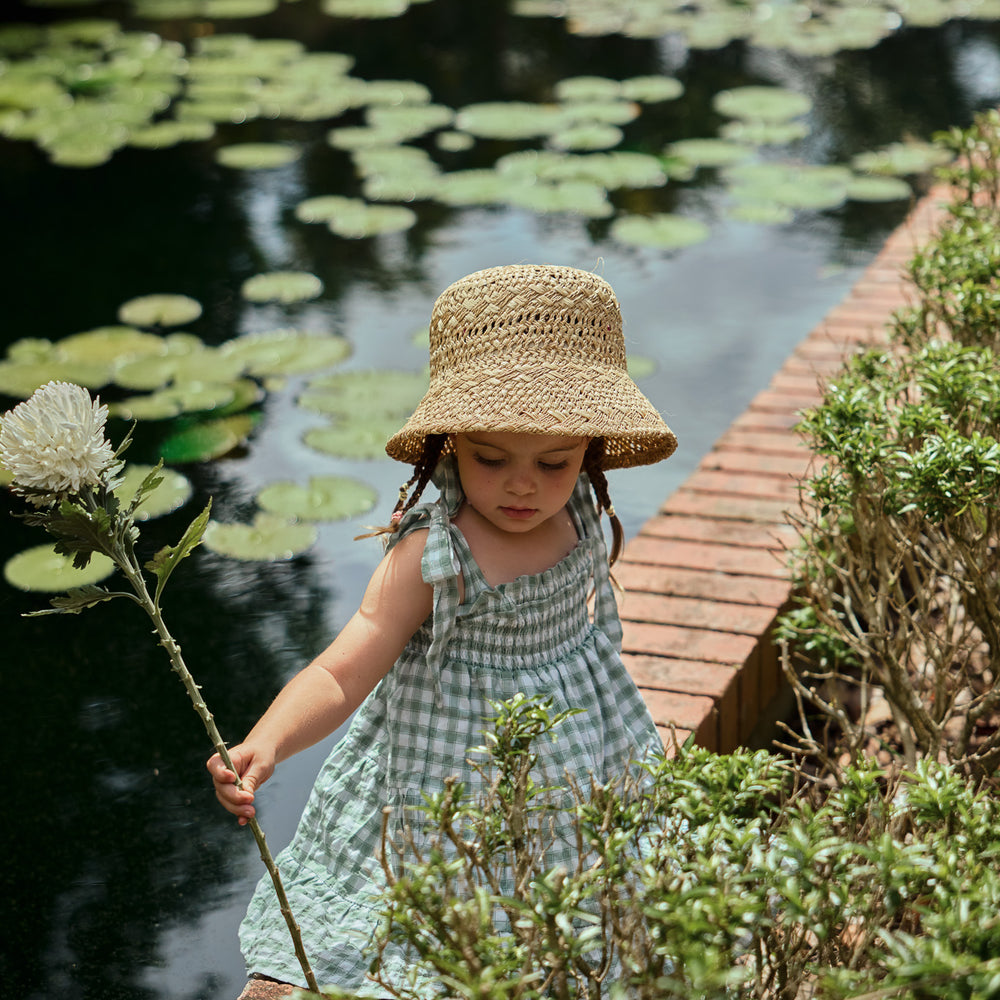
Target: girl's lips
[519,513]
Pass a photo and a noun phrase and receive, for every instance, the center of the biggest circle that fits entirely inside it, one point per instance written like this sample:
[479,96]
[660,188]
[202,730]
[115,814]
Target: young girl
[482,594]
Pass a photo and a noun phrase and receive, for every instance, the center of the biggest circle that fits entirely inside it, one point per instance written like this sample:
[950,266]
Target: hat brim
[540,398]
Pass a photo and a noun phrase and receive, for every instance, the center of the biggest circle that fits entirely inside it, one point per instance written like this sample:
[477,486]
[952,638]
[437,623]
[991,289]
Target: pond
[123,877]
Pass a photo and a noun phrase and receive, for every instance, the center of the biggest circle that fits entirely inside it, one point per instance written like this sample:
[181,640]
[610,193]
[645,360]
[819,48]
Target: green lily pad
[160,310]
[595,136]
[164,134]
[44,570]
[670,232]
[587,88]
[287,352]
[365,395]
[173,492]
[395,92]
[365,8]
[763,133]
[476,187]
[900,159]
[510,120]
[575,197]
[269,538]
[207,439]
[876,189]
[799,186]
[652,89]
[282,286]
[326,498]
[454,142]
[773,104]
[354,438]
[409,121]
[257,155]
[20,379]
[709,152]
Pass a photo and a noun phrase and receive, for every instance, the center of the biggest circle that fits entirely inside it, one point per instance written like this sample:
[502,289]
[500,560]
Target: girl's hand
[253,768]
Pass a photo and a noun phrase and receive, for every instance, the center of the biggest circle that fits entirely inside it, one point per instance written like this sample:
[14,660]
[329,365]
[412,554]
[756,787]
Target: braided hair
[593,461]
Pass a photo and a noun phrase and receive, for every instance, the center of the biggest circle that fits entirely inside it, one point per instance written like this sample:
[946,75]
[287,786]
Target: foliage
[700,875]
[897,629]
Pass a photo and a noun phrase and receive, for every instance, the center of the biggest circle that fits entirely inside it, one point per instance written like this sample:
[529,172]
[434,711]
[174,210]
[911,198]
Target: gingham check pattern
[533,636]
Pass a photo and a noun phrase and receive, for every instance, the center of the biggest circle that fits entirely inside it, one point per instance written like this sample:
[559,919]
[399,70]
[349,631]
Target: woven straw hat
[533,349]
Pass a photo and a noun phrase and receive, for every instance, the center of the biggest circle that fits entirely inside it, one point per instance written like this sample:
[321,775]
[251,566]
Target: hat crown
[530,313]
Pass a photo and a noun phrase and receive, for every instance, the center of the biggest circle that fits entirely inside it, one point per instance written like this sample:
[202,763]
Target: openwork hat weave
[533,349]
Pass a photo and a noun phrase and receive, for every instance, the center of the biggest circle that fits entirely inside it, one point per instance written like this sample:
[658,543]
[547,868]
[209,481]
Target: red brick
[705,555]
[741,460]
[802,383]
[724,531]
[737,507]
[694,714]
[750,485]
[784,402]
[766,420]
[692,677]
[786,442]
[693,612]
[687,582]
[687,643]
[749,704]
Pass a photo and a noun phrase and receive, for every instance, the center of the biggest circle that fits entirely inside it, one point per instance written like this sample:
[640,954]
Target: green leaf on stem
[73,602]
[166,560]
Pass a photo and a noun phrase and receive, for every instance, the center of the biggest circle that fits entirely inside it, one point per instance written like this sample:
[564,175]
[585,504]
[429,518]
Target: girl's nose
[521,483]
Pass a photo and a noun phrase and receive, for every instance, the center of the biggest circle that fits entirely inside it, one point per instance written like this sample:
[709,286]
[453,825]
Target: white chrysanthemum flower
[55,440]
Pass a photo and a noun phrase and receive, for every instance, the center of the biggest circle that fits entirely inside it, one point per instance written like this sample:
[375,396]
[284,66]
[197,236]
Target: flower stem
[167,641]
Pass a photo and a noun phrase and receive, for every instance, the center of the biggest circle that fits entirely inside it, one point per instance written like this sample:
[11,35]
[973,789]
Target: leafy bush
[700,875]
[896,631]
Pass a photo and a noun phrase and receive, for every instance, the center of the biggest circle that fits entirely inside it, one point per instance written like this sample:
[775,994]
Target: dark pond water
[122,878]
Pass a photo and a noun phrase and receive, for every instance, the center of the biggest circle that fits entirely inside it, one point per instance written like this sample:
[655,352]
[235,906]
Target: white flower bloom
[55,440]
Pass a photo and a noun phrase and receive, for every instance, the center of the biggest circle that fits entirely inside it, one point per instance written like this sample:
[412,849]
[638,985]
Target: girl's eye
[490,463]
[553,466]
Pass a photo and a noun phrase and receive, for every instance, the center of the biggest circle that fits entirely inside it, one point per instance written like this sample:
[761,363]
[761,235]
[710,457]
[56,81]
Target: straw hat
[533,349]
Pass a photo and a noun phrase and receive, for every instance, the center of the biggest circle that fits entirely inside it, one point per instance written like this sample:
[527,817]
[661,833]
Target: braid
[593,461]
[422,472]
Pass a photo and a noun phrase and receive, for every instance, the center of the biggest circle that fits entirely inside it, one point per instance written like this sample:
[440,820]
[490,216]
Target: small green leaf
[165,561]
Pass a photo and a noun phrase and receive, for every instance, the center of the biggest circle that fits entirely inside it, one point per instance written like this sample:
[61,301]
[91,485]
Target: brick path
[705,578]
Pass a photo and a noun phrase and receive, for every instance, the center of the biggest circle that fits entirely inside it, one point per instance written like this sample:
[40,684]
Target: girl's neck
[503,556]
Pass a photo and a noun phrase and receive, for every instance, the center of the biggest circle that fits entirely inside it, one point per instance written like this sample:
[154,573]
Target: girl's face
[518,481]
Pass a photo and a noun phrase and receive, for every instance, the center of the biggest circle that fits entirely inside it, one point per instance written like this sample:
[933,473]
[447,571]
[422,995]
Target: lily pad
[282,286]
[595,136]
[287,352]
[772,104]
[160,310]
[257,155]
[207,439]
[900,159]
[763,133]
[510,120]
[44,570]
[355,438]
[876,189]
[269,538]
[326,498]
[164,134]
[172,493]
[709,152]
[587,88]
[667,231]
[652,89]
[365,395]
[107,345]
[575,197]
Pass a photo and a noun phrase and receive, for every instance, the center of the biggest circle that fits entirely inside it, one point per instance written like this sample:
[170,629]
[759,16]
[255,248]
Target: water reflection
[123,879]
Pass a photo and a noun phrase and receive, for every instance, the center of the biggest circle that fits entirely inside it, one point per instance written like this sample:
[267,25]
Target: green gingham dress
[534,636]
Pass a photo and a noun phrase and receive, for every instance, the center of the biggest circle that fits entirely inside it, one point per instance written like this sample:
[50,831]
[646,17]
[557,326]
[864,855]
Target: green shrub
[701,875]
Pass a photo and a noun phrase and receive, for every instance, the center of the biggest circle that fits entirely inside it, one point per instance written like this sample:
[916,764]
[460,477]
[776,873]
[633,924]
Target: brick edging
[705,577]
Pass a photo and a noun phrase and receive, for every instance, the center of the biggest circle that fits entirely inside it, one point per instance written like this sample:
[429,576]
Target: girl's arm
[325,693]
